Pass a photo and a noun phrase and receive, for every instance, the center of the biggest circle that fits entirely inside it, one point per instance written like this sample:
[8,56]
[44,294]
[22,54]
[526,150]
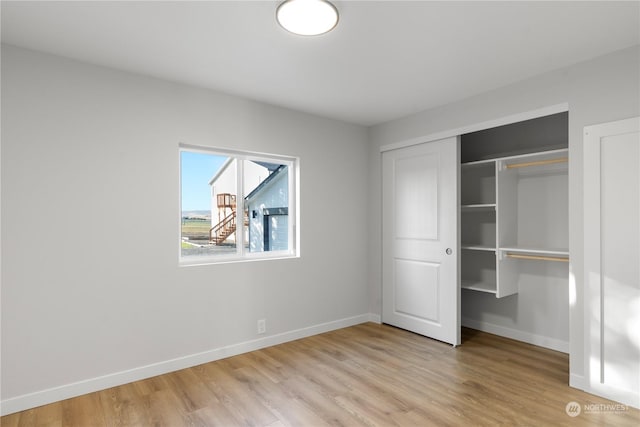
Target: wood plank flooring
[365,375]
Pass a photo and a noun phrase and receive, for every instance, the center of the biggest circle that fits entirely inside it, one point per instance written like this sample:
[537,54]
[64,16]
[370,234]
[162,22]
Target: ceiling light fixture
[307,17]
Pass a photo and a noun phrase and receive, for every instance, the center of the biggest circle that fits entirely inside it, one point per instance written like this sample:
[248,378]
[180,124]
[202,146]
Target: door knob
[449,251]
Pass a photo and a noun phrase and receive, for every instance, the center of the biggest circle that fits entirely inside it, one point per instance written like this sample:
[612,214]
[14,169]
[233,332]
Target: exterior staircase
[227,225]
[225,228]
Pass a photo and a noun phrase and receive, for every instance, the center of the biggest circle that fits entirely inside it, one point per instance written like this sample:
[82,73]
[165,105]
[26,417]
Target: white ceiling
[384,60]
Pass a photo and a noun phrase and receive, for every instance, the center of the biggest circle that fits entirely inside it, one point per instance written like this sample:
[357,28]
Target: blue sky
[197,169]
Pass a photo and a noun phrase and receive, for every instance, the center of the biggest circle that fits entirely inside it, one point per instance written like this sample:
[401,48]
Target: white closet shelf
[478,206]
[536,156]
[480,163]
[478,286]
[478,247]
[536,251]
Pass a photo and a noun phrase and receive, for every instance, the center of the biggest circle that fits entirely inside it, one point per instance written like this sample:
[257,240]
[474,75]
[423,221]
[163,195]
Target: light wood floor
[368,375]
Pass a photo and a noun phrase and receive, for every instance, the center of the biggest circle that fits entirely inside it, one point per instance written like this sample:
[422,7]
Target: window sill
[203,261]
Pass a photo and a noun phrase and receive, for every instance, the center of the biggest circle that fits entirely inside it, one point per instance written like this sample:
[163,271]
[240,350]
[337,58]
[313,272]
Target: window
[236,206]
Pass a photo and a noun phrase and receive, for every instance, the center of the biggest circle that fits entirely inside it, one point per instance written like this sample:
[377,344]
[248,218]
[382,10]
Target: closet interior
[514,204]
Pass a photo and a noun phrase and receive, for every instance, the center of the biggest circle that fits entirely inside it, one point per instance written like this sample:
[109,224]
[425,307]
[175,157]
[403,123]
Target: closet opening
[514,240]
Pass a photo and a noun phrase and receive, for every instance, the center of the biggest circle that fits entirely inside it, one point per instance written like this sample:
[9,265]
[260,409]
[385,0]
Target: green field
[196,229]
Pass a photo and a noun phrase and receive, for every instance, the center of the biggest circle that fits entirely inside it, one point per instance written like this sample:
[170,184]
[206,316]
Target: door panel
[416,290]
[420,222]
[612,259]
[416,197]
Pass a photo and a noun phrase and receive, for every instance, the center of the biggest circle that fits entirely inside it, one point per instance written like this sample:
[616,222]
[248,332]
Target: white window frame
[242,254]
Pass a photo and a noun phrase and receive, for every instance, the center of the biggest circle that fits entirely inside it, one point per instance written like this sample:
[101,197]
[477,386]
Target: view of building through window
[233,205]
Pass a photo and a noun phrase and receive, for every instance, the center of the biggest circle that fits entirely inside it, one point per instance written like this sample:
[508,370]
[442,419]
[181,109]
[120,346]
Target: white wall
[90,216]
[275,194]
[88,291]
[225,182]
[600,90]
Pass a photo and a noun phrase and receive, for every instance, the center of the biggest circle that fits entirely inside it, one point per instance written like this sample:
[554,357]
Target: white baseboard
[43,397]
[539,340]
[577,381]
[625,397]
[375,318]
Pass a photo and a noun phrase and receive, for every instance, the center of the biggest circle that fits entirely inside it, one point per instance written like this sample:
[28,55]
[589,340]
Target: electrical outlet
[262,326]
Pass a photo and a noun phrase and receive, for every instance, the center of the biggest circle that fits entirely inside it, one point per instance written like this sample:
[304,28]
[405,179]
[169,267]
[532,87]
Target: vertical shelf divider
[507,229]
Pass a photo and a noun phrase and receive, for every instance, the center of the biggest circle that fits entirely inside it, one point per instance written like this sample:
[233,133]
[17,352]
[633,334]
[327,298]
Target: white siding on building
[275,194]
[225,181]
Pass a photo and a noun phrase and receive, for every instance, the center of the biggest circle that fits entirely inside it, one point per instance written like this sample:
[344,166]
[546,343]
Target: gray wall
[600,90]
[90,278]
[90,217]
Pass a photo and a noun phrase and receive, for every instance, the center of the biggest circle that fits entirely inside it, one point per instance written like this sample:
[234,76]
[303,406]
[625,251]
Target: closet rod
[538,163]
[539,258]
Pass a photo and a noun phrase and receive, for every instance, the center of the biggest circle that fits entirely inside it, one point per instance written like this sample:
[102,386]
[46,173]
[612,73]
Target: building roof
[277,171]
[224,166]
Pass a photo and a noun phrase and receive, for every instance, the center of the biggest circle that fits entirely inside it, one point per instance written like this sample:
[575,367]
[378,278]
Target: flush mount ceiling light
[307,17]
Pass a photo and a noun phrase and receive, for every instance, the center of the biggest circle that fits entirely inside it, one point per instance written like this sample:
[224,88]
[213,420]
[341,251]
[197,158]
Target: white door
[612,259]
[420,289]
